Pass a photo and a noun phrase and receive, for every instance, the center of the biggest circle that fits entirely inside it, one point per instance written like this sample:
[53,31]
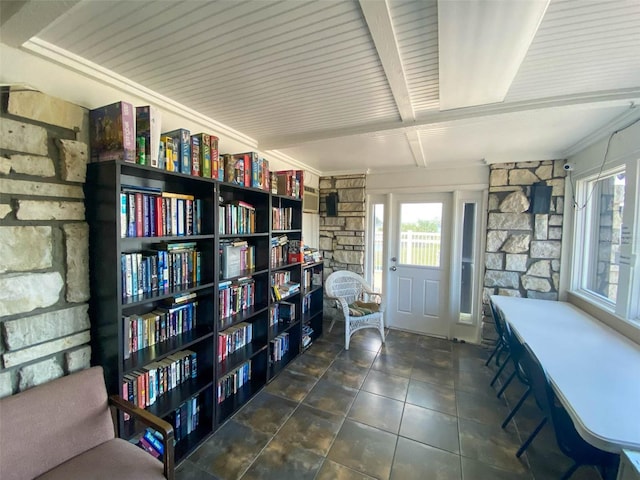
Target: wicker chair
[347,288]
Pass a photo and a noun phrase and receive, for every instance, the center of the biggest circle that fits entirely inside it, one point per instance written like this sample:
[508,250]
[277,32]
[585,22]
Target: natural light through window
[420,230]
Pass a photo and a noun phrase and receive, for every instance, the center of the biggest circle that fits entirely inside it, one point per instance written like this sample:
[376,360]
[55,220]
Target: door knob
[394,259]
[394,268]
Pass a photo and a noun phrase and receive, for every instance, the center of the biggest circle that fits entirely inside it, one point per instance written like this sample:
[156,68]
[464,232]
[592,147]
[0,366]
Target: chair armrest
[150,420]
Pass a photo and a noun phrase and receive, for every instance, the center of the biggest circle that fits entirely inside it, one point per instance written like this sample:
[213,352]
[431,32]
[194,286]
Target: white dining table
[594,370]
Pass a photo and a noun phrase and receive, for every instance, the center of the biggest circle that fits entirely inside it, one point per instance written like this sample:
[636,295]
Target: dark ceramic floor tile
[431,374]
[428,426]
[398,342]
[292,385]
[310,429]
[190,471]
[433,358]
[359,358]
[387,385]
[326,350]
[476,383]
[344,372]
[334,471]
[490,444]
[470,364]
[230,451]
[265,412]
[364,448]
[279,461]
[475,470]
[471,350]
[377,411]
[399,350]
[393,365]
[434,343]
[310,365]
[416,461]
[368,339]
[481,408]
[432,396]
[331,397]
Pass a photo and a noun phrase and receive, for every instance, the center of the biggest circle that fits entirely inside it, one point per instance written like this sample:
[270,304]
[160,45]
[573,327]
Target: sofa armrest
[149,419]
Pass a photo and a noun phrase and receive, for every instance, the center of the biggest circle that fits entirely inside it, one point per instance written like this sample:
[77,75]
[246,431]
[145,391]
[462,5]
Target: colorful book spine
[113,133]
[196,147]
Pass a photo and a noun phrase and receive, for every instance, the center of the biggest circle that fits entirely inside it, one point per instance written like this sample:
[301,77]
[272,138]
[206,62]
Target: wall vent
[310,200]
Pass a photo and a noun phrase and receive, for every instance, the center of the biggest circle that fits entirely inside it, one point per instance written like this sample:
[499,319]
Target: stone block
[541,268]
[22,137]
[555,220]
[353,258]
[332,221]
[516,202]
[326,183]
[494,278]
[360,182]
[345,207]
[555,233]
[517,243]
[34,165]
[509,221]
[535,284]
[521,176]
[46,109]
[515,188]
[355,223]
[73,157]
[555,265]
[39,373]
[78,359]
[6,384]
[498,178]
[5,166]
[560,205]
[24,293]
[507,165]
[350,240]
[77,259]
[533,164]
[494,261]
[27,331]
[558,169]
[489,332]
[12,359]
[39,189]
[486,293]
[493,203]
[541,222]
[558,187]
[555,277]
[495,240]
[326,243]
[545,249]
[544,172]
[516,262]
[506,292]
[25,248]
[356,269]
[47,210]
[5,209]
[542,295]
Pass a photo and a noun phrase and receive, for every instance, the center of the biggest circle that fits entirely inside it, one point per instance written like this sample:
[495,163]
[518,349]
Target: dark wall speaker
[540,198]
[332,205]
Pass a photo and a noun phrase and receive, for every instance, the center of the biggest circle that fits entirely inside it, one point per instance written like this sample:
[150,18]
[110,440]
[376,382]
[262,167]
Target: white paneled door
[419,263]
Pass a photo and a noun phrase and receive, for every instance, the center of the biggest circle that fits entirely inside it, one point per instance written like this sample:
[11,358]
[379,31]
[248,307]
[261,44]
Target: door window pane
[468,260]
[378,247]
[420,231]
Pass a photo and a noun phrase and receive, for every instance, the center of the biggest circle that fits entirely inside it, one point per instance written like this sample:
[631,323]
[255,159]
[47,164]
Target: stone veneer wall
[523,250]
[44,275]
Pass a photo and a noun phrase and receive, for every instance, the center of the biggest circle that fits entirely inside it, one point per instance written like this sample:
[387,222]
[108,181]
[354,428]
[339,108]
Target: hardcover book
[113,133]
[182,144]
[217,167]
[205,154]
[195,155]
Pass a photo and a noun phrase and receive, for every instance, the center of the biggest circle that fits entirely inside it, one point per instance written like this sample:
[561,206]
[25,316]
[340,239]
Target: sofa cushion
[132,463]
[47,425]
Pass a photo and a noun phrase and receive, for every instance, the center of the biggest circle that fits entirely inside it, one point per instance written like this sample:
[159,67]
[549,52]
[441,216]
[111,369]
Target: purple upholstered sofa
[64,430]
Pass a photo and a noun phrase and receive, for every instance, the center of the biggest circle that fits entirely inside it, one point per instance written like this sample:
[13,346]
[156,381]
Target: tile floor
[414,408]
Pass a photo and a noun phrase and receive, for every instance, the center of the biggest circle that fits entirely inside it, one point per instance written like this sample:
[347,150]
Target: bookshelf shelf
[262,219]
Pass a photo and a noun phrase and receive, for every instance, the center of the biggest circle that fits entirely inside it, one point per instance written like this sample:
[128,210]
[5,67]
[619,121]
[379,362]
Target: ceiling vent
[310,200]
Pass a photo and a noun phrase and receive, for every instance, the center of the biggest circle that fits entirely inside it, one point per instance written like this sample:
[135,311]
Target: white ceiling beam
[481,45]
[415,144]
[28,18]
[378,18]
[617,97]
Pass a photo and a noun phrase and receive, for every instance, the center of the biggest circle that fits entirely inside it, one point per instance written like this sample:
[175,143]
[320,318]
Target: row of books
[282,286]
[144,386]
[311,278]
[160,270]
[150,441]
[185,419]
[311,255]
[236,296]
[163,323]
[236,218]
[306,303]
[236,257]
[307,332]
[290,183]
[279,347]
[234,338]
[233,381]
[156,214]
[279,250]
[247,169]
[281,218]
[282,312]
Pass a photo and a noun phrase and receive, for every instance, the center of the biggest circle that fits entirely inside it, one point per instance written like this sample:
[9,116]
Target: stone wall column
[44,275]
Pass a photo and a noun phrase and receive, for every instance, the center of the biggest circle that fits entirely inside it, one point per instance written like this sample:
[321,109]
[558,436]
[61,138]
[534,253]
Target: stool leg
[517,407]
[506,384]
[528,441]
[495,377]
[495,350]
